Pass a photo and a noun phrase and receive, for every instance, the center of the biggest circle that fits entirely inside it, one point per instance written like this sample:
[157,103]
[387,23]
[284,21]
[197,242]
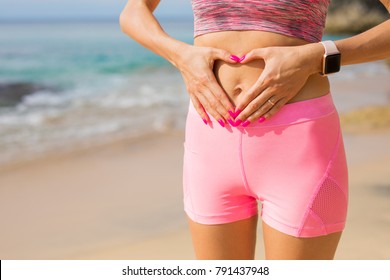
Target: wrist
[332,58]
[314,55]
[168,48]
[176,53]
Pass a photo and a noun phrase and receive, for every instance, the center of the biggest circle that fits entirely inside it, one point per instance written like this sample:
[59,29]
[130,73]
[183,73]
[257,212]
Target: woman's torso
[236,79]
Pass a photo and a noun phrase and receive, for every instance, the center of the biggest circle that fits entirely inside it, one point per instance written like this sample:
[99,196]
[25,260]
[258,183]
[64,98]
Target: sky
[82,9]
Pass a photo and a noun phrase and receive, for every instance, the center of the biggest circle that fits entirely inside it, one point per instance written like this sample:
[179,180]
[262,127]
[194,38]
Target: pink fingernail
[232,123]
[262,119]
[205,121]
[222,123]
[242,58]
[235,58]
[235,113]
[246,123]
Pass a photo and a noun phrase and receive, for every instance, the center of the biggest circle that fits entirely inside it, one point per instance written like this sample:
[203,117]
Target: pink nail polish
[262,119]
[222,123]
[235,113]
[235,58]
[246,123]
[234,123]
[231,122]
[242,58]
[205,121]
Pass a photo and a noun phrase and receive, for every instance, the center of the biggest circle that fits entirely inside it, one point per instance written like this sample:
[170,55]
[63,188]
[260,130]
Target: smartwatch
[332,58]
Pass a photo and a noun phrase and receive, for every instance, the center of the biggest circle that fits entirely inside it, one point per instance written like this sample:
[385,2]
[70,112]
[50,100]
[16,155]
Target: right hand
[196,66]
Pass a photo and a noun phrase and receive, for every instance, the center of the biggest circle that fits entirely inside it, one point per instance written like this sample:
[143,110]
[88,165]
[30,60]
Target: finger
[210,105]
[216,95]
[256,108]
[200,110]
[275,109]
[266,111]
[254,55]
[224,104]
[224,56]
[256,90]
[214,107]
[214,100]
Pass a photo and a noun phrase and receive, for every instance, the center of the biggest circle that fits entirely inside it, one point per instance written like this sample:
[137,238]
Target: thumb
[224,56]
[254,55]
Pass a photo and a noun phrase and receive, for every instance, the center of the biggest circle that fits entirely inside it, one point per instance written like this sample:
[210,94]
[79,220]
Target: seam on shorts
[326,175]
[295,231]
[201,218]
[338,186]
[318,219]
[188,192]
[242,168]
[266,216]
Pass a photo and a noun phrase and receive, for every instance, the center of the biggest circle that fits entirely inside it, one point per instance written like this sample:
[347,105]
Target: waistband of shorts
[296,112]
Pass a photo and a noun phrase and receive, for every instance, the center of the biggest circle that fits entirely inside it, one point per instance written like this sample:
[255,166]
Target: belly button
[237,90]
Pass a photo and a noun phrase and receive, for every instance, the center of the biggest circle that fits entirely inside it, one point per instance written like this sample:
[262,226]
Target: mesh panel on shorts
[330,204]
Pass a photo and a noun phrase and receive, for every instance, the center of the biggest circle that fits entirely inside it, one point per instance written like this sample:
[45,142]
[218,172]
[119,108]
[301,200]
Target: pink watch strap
[330,47]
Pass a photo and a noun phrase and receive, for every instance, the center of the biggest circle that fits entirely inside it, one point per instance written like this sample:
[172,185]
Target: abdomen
[236,79]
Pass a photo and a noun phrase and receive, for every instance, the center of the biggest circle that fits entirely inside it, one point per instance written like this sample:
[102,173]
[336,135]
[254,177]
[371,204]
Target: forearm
[138,22]
[372,45]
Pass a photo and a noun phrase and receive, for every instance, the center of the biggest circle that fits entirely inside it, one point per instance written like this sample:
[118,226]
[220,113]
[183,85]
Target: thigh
[230,241]
[280,246]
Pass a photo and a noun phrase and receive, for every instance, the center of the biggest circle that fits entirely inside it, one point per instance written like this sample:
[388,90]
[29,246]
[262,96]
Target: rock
[13,93]
[354,16]
[387,61]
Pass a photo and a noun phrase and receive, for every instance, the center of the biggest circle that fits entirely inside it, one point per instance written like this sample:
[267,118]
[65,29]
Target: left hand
[285,73]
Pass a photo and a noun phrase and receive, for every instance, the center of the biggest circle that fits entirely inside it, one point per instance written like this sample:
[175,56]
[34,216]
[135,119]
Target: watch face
[332,63]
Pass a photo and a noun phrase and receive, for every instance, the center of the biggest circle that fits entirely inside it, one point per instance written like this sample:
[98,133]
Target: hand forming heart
[286,72]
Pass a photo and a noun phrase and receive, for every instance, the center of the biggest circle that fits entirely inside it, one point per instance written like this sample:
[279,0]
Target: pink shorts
[294,164]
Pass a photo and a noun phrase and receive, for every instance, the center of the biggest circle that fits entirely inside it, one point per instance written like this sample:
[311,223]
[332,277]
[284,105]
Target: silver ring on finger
[270,102]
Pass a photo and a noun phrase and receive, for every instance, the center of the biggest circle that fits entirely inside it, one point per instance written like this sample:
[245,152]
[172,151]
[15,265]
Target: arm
[371,45]
[287,68]
[194,63]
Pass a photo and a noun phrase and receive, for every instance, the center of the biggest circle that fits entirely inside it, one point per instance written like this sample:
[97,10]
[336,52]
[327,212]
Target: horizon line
[84,19]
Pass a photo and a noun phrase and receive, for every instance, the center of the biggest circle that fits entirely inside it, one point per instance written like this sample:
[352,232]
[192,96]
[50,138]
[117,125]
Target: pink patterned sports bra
[304,19]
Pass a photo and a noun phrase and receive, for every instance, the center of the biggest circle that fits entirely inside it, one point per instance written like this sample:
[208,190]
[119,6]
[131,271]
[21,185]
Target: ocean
[70,84]
[65,85]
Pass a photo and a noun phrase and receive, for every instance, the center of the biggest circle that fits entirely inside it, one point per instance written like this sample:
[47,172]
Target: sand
[123,200]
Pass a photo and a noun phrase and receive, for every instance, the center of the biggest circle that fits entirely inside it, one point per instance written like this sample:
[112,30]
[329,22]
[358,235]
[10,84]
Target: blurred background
[70,81]
[69,77]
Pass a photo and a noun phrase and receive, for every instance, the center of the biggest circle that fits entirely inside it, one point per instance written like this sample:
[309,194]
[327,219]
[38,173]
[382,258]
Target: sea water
[92,84]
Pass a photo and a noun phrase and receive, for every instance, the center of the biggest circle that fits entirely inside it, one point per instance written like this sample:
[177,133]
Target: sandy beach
[123,200]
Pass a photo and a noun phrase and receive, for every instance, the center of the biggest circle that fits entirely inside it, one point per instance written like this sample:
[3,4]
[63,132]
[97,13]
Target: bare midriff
[236,79]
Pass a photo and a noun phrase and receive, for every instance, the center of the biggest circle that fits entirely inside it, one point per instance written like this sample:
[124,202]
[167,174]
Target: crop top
[304,19]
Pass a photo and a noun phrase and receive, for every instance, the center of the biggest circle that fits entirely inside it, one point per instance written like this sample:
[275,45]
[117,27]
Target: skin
[277,68]
[243,81]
